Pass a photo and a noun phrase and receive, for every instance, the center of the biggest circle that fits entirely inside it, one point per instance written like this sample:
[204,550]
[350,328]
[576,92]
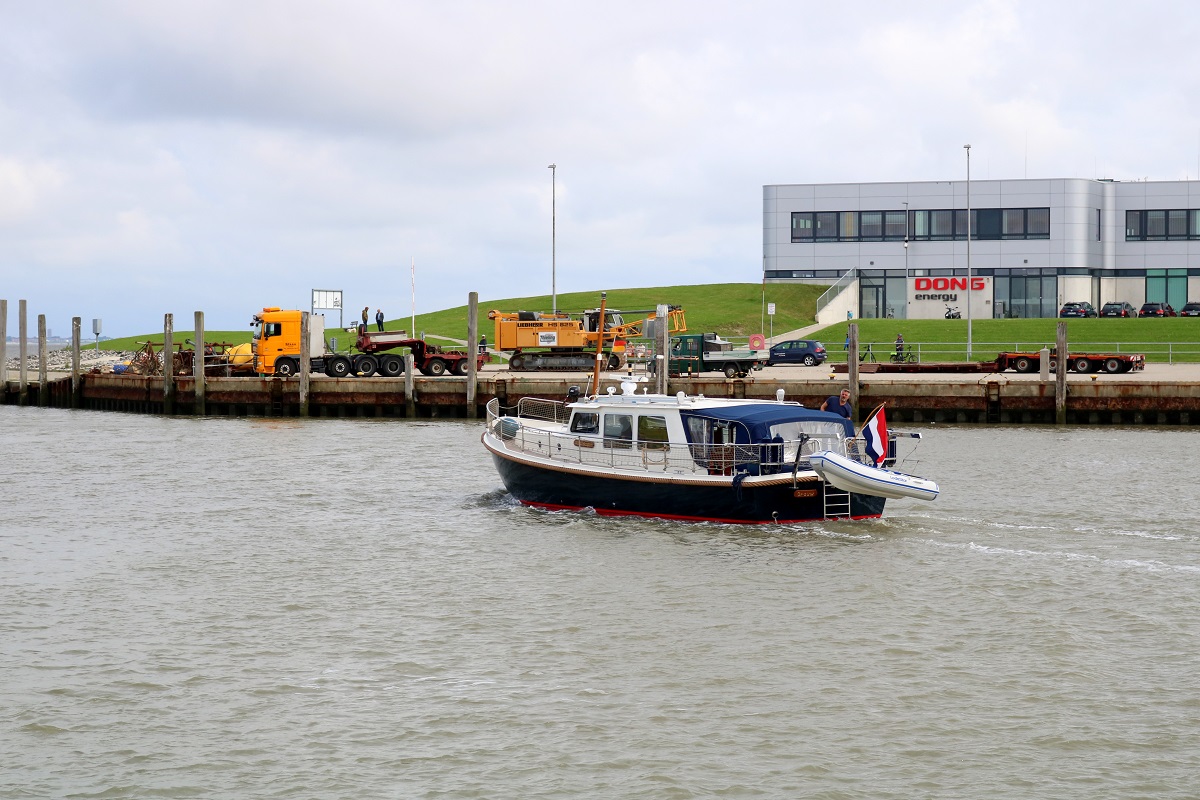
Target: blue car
[808,352]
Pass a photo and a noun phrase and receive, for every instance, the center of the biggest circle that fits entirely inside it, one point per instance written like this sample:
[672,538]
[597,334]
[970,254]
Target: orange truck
[277,348]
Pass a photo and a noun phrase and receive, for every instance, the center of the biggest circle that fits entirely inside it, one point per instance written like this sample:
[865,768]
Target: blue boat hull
[554,489]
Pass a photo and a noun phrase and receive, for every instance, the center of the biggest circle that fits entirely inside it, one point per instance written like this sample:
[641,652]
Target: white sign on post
[771,309]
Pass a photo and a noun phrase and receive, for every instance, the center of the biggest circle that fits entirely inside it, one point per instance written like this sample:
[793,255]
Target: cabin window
[585,422]
[618,430]
[652,433]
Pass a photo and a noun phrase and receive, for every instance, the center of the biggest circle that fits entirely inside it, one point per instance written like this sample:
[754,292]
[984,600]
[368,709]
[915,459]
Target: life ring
[757,342]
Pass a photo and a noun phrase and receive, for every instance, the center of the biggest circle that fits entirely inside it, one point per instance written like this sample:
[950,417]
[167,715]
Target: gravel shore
[60,360]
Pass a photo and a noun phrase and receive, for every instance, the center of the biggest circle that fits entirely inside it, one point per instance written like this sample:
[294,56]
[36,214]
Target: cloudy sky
[220,156]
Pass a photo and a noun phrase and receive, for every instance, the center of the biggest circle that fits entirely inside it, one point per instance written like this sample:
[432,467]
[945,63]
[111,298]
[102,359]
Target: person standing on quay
[379,319]
[363,327]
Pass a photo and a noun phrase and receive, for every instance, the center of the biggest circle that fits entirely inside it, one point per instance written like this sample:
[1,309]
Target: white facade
[1035,244]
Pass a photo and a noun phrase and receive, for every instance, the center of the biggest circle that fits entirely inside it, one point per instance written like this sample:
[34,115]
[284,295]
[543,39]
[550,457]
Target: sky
[221,156]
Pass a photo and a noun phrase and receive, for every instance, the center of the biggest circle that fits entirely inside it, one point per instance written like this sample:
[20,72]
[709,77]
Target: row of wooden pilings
[168,349]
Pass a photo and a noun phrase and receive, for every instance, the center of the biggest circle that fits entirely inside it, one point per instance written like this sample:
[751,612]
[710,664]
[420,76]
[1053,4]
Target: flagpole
[413,270]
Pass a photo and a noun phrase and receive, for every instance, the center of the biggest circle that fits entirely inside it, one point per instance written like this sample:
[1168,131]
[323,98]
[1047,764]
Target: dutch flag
[875,434]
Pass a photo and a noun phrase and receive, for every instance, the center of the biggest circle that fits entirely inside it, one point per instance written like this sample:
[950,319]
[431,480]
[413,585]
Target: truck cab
[277,342]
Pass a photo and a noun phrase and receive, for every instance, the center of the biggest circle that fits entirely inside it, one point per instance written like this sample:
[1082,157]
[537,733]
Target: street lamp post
[553,237]
[906,253]
[967,147]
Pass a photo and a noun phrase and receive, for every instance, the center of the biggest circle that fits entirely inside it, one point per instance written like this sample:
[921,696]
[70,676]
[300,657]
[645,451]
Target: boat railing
[538,408]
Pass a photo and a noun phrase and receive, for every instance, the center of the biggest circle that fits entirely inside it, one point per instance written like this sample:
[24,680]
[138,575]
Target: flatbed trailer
[1076,362]
[429,359]
[1111,363]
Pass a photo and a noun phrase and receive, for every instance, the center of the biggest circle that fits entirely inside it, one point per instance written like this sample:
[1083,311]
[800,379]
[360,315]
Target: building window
[871,226]
[1177,224]
[849,229]
[826,222]
[802,226]
[1037,223]
[1014,223]
[941,225]
[1133,225]
[1156,224]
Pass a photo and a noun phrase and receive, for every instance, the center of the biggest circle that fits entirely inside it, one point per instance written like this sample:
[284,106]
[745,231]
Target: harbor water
[254,608]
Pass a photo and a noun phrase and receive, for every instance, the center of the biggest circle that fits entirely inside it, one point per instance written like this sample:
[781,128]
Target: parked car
[808,352]
[1156,310]
[1077,310]
[1190,310]
[1115,309]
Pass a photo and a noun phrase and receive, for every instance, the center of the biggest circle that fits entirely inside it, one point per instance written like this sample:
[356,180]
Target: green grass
[736,310]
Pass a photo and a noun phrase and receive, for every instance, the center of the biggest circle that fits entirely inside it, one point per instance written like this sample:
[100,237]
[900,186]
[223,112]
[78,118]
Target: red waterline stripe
[683,518]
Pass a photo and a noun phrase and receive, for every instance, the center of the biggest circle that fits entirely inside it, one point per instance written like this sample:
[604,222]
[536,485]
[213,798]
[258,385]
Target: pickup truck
[707,352]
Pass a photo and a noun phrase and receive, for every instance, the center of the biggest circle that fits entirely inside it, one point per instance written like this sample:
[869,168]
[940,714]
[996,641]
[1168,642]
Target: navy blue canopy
[758,419]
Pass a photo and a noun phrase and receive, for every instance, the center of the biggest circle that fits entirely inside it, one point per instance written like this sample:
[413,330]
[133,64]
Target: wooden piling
[472,347]
[305,363]
[3,347]
[43,362]
[410,401]
[23,350]
[168,357]
[1060,379]
[76,345]
[198,372]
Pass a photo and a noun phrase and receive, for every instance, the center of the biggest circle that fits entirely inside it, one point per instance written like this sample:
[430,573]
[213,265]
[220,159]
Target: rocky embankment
[60,360]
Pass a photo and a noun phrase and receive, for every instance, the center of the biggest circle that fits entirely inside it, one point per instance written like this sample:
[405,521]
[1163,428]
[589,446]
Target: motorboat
[680,457]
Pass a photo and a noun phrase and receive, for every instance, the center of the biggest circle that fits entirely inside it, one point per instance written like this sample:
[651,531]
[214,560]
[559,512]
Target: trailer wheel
[614,361]
[391,366]
[461,367]
[339,367]
[366,366]
[1112,365]
[517,363]
[286,367]
[436,367]
[731,370]
[1023,365]
[1083,365]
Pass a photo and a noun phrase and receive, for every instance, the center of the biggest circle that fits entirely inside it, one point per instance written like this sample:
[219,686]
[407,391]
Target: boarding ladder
[837,502]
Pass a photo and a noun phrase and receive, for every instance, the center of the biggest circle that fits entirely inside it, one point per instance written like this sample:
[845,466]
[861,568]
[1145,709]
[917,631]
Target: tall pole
[967,147]
[906,260]
[553,237]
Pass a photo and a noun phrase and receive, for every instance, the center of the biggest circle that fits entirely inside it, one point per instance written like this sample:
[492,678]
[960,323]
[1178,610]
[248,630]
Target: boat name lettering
[804,493]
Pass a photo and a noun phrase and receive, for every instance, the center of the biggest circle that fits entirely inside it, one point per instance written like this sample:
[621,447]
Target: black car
[1115,309]
[808,352]
[1190,310]
[1156,310]
[1077,310]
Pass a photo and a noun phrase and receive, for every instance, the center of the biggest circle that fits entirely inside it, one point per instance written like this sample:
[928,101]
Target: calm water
[355,609]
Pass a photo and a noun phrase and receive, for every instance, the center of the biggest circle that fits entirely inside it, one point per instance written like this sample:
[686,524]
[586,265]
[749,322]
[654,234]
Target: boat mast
[595,388]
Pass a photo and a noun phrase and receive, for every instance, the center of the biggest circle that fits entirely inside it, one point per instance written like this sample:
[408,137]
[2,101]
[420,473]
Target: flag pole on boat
[595,390]
[874,434]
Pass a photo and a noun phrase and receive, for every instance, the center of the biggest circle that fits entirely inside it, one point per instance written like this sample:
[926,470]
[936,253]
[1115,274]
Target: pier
[1160,395]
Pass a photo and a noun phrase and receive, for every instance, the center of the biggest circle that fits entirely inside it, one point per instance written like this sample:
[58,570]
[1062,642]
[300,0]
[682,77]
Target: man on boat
[838,404]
